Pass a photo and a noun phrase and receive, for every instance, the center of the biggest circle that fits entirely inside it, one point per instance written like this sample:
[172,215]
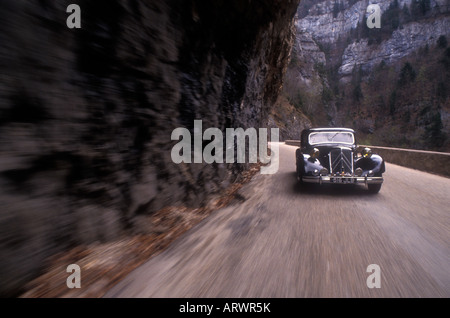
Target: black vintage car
[329,155]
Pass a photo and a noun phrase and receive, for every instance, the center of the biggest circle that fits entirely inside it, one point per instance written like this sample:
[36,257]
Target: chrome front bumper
[342,180]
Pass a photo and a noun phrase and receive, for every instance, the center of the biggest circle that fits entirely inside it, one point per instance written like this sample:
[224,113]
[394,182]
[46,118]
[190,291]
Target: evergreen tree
[335,9]
[433,132]
[407,74]
[425,6]
[442,42]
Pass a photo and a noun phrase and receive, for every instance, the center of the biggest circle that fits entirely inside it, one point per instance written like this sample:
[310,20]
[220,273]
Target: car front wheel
[374,188]
[298,162]
[299,175]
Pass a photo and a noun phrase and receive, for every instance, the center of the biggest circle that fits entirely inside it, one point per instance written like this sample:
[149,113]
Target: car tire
[299,175]
[374,188]
[298,162]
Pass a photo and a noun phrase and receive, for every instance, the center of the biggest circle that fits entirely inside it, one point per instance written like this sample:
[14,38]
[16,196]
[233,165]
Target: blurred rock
[87,114]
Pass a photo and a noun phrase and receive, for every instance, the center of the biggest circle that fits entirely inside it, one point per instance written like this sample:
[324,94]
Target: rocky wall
[87,114]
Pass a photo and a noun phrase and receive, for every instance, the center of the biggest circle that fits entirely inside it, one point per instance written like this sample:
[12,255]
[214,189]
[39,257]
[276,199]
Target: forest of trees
[405,108]
[402,102]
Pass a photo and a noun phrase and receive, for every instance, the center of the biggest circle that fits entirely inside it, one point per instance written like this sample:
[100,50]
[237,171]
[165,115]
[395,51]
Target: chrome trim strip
[329,160]
[357,180]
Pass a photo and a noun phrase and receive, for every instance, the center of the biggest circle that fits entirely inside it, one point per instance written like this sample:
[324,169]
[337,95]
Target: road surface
[285,241]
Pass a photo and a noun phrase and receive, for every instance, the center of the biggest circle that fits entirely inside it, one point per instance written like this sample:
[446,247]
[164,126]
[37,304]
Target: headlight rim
[366,152]
[314,153]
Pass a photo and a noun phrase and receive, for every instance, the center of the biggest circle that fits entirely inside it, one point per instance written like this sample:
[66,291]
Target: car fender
[310,164]
[374,163]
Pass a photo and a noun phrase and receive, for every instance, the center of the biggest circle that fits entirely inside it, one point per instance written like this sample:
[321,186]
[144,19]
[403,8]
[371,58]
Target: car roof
[309,130]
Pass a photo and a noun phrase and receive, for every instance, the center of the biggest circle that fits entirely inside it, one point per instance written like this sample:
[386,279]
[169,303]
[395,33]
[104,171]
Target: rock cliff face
[403,42]
[389,84]
[305,98]
[331,22]
[87,114]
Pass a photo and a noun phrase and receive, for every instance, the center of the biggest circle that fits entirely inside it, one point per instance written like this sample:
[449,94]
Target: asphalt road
[285,241]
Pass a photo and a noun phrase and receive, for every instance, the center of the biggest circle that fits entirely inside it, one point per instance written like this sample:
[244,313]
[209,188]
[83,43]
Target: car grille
[341,160]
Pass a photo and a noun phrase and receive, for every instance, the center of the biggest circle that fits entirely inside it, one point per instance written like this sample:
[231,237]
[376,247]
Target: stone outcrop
[402,43]
[329,27]
[289,120]
[305,86]
[360,82]
[87,114]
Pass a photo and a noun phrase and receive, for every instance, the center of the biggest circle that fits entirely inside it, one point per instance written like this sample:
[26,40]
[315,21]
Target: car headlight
[314,153]
[324,172]
[366,152]
[359,172]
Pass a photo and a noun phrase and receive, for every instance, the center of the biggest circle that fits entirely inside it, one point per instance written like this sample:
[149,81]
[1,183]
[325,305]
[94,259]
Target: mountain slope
[390,84]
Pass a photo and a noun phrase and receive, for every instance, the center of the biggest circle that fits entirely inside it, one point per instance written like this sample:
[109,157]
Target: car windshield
[331,137]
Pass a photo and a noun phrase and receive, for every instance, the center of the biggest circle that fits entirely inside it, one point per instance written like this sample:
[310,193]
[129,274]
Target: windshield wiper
[331,139]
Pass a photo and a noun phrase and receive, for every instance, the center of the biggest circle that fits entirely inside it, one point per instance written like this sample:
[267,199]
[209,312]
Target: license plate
[342,180]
